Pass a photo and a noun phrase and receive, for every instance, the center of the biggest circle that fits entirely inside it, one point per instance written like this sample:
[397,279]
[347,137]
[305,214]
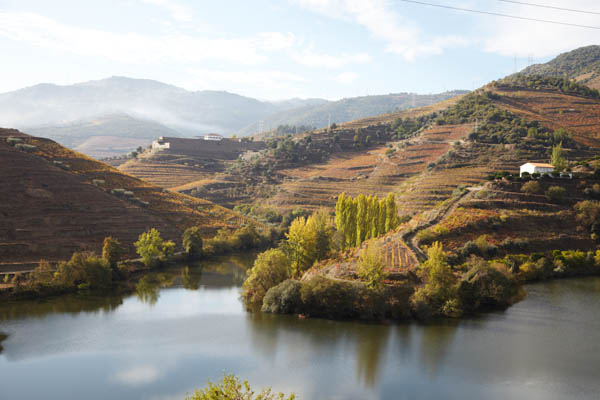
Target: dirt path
[410,237]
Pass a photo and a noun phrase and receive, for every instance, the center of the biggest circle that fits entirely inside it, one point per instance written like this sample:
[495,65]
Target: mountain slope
[348,109]
[54,201]
[582,64]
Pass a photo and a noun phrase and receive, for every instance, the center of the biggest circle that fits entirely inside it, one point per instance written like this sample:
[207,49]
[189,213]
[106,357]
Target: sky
[279,49]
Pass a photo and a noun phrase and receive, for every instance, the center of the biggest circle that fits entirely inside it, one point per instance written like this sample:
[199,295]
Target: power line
[552,7]
[499,15]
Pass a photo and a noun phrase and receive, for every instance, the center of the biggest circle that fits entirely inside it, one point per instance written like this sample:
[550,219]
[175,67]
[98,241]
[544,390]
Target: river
[184,327]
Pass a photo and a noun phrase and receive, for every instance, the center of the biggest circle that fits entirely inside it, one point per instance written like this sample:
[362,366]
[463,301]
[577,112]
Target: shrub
[84,268]
[192,242]
[283,298]
[112,251]
[233,388]
[485,287]
[531,187]
[152,248]
[42,274]
[270,269]
[323,297]
[556,193]
[371,267]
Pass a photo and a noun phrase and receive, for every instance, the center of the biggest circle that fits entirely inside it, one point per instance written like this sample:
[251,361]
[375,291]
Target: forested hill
[349,109]
[582,64]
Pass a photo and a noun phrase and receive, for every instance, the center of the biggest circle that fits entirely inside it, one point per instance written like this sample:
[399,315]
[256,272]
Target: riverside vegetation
[86,271]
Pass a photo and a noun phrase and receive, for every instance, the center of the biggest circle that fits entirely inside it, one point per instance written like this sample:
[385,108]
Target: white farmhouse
[540,168]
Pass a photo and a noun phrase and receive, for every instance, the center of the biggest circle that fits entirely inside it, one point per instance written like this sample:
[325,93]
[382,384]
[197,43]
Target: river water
[184,327]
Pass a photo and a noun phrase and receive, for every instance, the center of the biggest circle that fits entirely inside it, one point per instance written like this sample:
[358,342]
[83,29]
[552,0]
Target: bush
[531,187]
[556,193]
[84,268]
[233,388]
[270,269]
[484,287]
[192,242]
[371,268]
[152,248]
[112,251]
[323,297]
[283,298]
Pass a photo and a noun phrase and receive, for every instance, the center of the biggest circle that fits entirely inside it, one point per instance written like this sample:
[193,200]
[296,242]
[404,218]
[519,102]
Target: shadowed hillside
[54,201]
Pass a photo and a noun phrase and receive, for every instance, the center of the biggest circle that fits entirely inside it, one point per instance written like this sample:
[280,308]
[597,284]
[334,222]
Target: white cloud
[400,35]
[511,37]
[137,376]
[178,11]
[346,77]
[310,58]
[134,48]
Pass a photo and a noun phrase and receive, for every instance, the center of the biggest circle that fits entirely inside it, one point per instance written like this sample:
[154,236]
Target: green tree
[556,193]
[192,242]
[531,187]
[382,216]
[152,248]
[371,267]
[391,219]
[233,389]
[437,275]
[558,160]
[270,268]
[112,251]
[42,274]
[301,245]
[361,219]
[320,223]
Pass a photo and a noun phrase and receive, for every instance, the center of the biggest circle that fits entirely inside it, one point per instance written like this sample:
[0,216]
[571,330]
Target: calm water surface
[183,328]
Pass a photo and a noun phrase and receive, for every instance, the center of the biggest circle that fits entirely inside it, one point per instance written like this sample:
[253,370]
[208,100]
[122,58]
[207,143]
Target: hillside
[349,109]
[581,64]
[54,201]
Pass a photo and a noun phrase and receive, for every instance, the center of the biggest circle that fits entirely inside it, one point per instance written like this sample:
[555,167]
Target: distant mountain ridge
[115,115]
[582,64]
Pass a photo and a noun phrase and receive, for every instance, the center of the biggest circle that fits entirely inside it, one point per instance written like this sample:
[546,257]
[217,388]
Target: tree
[192,242]
[556,193]
[112,251]
[531,187]
[232,388]
[558,160]
[270,269]
[391,219]
[152,248]
[371,267]
[361,219]
[320,222]
[301,245]
[437,275]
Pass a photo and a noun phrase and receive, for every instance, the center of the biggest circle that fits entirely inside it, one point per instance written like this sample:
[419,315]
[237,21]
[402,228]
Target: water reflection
[3,337]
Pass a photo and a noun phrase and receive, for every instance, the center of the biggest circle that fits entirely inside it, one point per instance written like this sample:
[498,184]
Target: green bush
[531,187]
[152,248]
[283,298]
[112,251]
[324,297]
[84,268]
[270,269]
[232,388]
[192,242]
[556,193]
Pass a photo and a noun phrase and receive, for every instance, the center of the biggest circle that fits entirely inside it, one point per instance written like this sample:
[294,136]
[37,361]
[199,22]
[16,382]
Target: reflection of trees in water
[147,288]
[3,337]
[69,304]
[191,280]
[325,339]
[371,346]
[435,341]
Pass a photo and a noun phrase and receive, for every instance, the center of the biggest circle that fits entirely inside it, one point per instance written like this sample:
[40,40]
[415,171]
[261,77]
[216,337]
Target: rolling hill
[54,201]
[116,115]
[582,64]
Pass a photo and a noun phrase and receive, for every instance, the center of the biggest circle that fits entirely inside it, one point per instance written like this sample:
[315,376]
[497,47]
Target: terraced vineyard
[54,201]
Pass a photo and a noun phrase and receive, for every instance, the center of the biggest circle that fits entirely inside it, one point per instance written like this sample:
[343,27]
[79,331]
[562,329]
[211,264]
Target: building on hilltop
[213,136]
[540,168]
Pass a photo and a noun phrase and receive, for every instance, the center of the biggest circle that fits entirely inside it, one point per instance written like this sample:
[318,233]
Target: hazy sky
[284,48]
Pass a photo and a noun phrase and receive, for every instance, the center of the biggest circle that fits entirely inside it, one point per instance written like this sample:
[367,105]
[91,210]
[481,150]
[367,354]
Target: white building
[213,136]
[539,168]
[160,144]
